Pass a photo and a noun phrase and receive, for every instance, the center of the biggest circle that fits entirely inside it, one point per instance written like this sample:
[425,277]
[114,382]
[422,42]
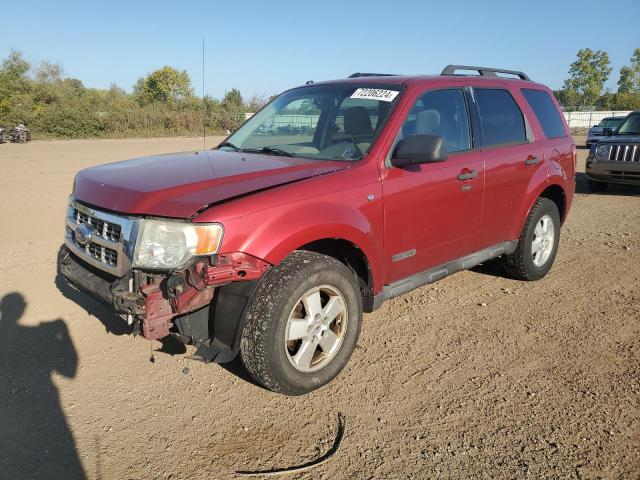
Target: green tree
[15,86]
[233,100]
[48,72]
[588,74]
[567,98]
[166,85]
[629,81]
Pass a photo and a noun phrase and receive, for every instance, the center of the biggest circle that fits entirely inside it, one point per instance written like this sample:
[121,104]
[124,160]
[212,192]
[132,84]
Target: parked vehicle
[597,131]
[272,247]
[19,134]
[616,158]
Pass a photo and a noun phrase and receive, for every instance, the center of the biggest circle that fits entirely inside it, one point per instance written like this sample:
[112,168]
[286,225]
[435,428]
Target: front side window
[630,126]
[440,112]
[323,122]
[501,119]
[545,111]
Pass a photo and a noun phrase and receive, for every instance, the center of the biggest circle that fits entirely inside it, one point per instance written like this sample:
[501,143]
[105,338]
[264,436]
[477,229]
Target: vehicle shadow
[35,439]
[612,188]
[492,268]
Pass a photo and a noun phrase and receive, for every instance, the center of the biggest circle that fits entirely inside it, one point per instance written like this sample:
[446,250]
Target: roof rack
[483,71]
[360,74]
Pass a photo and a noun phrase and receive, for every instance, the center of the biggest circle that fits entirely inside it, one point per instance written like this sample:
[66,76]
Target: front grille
[621,175]
[103,254]
[109,241]
[624,153]
[108,230]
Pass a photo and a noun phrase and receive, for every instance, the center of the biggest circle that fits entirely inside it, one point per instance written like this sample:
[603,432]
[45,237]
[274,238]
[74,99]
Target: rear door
[511,157]
[557,145]
[432,211]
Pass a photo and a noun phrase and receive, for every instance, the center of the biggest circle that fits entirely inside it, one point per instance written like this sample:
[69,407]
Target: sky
[264,47]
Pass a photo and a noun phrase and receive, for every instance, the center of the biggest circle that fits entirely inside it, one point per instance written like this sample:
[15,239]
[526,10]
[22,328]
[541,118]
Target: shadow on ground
[35,440]
[612,188]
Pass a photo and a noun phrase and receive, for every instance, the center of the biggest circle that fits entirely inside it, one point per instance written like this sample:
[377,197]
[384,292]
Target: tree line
[162,103]
[585,87]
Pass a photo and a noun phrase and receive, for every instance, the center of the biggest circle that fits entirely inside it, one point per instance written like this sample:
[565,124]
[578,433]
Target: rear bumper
[625,173]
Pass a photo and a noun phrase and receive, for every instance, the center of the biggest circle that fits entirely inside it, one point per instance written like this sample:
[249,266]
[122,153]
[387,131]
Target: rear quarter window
[501,119]
[545,111]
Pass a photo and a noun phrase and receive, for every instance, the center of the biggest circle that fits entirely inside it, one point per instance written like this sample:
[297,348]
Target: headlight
[171,245]
[602,150]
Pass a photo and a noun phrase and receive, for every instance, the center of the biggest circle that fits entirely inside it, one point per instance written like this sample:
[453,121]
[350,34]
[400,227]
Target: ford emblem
[83,234]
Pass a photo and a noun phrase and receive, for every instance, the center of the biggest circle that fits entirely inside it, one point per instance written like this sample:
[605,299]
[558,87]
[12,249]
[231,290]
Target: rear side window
[501,119]
[546,111]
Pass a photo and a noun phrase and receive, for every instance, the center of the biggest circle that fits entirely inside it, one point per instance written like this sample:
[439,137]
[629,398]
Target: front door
[432,211]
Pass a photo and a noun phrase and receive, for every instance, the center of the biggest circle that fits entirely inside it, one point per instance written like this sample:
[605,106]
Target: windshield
[630,126]
[324,122]
[610,122]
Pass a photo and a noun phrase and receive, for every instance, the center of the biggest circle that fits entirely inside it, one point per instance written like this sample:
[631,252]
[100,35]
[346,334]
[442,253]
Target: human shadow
[35,439]
[612,188]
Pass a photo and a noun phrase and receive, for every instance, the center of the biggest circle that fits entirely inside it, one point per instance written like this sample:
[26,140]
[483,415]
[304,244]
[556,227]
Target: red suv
[333,198]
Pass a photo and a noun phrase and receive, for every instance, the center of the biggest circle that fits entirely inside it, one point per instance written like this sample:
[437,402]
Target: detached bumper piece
[206,303]
[109,289]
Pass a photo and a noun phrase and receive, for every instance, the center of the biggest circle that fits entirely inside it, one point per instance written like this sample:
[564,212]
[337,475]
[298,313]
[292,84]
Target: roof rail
[483,71]
[360,74]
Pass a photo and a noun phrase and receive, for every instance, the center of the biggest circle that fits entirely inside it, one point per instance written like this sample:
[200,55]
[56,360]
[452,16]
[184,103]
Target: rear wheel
[595,186]
[538,243]
[303,323]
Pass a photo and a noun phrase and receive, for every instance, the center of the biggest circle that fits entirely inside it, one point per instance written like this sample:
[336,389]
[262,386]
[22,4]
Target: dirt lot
[475,376]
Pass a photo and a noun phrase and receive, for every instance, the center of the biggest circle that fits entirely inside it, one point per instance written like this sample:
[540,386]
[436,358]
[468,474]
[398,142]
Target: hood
[621,139]
[179,185]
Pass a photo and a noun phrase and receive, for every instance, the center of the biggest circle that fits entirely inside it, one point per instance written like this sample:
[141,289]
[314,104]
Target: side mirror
[607,131]
[417,149]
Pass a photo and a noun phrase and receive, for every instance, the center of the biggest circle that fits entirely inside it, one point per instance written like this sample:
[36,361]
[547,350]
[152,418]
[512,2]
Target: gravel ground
[475,376]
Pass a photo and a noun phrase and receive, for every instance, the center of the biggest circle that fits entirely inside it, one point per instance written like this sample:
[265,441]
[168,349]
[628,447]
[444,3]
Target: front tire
[303,323]
[538,243]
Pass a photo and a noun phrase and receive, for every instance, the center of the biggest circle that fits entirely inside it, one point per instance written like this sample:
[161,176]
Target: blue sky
[265,47]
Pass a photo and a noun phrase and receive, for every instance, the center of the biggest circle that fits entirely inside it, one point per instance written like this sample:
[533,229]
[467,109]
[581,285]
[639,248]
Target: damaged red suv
[333,198]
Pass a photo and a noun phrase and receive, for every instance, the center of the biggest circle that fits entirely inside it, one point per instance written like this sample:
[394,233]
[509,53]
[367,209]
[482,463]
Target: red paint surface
[383,211]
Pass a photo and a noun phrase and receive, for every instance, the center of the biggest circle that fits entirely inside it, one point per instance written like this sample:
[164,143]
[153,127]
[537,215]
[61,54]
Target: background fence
[585,120]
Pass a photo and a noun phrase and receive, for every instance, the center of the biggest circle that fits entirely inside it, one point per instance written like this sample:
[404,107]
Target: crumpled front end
[98,258]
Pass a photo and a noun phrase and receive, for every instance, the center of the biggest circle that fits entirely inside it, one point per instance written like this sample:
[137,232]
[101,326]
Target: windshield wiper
[271,150]
[229,145]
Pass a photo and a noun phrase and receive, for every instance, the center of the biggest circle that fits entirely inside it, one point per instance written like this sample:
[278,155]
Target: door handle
[531,160]
[467,175]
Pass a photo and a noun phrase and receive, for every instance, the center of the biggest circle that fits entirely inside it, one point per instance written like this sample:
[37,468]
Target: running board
[432,275]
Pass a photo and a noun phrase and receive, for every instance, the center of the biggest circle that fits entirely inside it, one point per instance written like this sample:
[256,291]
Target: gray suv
[616,158]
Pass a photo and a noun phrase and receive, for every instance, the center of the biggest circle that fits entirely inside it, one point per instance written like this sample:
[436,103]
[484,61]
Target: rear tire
[538,243]
[595,186]
[303,323]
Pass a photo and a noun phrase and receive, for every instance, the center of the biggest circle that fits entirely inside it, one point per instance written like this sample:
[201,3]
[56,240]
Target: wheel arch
[353,257]
[551,190]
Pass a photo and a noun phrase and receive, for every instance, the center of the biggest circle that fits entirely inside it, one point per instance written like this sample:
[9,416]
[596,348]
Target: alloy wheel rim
[543,241]
[316,328]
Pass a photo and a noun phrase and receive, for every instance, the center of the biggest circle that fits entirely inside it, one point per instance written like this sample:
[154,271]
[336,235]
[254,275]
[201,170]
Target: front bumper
[625,173]
[204,305]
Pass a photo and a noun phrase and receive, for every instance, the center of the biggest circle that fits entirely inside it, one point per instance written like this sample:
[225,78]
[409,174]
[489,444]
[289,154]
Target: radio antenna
[204,105]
